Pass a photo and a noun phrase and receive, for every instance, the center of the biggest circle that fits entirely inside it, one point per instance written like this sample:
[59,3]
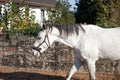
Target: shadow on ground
[28,76]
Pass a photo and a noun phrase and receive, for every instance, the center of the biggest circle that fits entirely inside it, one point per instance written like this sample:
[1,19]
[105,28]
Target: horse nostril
[33,47]
[36,48]
[39,48]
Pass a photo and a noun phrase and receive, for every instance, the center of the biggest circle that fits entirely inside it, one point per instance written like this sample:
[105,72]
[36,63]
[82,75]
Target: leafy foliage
[101,12]
[18,18]
[17,15]
[61,14]
[33,31]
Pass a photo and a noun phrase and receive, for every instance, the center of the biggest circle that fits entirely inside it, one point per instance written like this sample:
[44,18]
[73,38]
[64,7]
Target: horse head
[43,40]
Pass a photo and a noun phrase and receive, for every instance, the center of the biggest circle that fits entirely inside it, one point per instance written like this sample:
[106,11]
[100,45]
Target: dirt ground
[10,73]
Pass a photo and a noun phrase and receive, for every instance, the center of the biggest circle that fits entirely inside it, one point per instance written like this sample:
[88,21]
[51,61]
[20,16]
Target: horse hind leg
[77,64]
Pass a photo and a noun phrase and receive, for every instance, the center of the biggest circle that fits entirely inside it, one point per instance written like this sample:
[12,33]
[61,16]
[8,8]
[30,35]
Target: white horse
[89,42]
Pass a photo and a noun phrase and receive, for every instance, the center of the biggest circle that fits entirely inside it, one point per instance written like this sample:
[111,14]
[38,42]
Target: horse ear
[44,26]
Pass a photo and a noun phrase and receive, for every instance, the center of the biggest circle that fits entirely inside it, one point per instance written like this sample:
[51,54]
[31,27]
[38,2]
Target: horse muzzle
[36,50]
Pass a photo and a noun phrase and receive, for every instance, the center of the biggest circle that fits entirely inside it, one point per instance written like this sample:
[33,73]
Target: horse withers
[90,43]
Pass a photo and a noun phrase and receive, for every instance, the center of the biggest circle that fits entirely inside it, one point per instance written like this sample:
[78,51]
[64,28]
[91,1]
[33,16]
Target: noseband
[44,41]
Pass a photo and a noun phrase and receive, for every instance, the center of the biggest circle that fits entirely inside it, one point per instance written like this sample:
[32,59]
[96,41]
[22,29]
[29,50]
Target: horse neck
[64,41]
[70,40]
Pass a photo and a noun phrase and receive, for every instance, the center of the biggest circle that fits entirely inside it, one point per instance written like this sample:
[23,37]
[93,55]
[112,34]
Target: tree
[82,12]
[17,15]
[101,12]
[61,14]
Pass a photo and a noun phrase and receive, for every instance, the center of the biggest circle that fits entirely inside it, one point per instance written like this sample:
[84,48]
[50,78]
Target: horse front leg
[91,68]
[75,67]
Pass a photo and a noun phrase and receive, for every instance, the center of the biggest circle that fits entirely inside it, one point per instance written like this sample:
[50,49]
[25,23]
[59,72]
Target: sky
[72,2]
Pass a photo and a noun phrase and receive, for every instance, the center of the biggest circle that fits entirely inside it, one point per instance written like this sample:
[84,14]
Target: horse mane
[69,28]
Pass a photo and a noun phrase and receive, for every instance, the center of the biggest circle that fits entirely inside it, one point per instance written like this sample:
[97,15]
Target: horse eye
[41,29]
[39,38]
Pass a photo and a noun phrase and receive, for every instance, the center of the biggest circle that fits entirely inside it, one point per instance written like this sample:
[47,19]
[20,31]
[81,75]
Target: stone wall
[16,52]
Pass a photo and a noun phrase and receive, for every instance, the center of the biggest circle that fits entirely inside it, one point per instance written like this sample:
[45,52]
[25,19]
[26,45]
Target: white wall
[46,15]
[38,15]
[2,11]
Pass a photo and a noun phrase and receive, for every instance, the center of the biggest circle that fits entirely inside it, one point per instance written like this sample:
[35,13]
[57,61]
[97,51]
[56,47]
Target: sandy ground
[10,73]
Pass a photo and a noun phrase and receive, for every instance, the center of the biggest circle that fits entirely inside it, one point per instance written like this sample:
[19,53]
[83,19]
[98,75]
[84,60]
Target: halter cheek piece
[44,41]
